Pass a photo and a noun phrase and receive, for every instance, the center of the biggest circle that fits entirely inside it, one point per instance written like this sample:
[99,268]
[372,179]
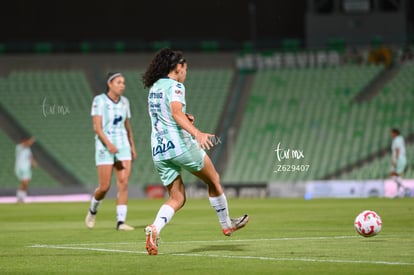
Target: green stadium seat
[85,47]
[337,44]
[306,109]
[43,47]
[290,45]
[158,45]
[392,107]
[376,41]
[54,107]
[119,47]
[209,46]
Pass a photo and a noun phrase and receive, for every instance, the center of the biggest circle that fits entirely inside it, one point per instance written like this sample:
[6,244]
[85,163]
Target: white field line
[225,256]
[83,247]
[221,241]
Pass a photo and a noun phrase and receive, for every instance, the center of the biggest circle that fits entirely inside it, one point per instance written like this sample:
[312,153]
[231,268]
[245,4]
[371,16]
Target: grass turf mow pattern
[284,236]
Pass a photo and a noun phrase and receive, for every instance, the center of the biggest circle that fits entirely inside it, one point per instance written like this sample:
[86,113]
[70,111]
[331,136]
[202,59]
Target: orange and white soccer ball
[368,223]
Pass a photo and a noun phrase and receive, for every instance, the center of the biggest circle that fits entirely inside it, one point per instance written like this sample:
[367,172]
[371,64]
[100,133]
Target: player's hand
[133,154]
[204,140]
[112,148]
[190,117]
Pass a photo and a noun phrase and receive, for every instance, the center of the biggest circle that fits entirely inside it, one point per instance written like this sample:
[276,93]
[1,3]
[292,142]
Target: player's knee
[103,188]
[214,180]
[122,185]
[123,180]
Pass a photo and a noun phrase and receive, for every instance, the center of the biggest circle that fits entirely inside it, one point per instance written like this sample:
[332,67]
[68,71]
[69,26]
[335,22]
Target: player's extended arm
[182,120]
[97,127]
[130,138]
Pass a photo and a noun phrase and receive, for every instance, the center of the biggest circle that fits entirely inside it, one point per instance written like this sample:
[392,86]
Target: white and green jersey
[168,139]
[23,158]
[113,116]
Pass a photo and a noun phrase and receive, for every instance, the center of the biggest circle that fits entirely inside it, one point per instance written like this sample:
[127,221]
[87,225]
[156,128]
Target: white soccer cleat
[90,220]
[124,227]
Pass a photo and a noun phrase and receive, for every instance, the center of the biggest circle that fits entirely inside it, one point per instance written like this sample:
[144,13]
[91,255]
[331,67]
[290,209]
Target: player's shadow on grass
[228,247]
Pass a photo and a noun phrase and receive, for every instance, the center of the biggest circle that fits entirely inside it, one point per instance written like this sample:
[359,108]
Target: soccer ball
[368,223]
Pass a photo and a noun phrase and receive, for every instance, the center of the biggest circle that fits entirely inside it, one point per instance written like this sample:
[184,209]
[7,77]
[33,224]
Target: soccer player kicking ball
[177,144]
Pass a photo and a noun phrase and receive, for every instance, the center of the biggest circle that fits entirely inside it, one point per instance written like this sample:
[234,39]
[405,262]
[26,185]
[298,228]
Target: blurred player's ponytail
[164,61]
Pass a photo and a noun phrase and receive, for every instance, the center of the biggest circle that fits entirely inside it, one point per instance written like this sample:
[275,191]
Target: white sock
[220,205]
[21,195]
[397,180]
[121,212]
[94,205]
[163,217]
[400,186]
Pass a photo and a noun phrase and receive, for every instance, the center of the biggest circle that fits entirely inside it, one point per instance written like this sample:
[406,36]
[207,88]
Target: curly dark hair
[164,61]
[396,131]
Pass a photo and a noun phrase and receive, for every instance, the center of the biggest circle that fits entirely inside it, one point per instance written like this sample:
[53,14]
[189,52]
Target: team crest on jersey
[178,92]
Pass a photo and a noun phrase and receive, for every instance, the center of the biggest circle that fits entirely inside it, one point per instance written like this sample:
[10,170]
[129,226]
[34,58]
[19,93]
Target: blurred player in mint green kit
[177,144]
[23,166]
[114,148]
[399,160]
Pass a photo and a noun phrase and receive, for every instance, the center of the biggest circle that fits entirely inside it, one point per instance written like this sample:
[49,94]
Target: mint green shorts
[24,174]
[104,157]
[400,167]
[192,161]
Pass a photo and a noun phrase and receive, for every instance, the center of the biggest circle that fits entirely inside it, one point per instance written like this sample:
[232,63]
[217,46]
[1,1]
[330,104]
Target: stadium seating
[54,106]
[392,107]
[308,110]
[7,176]
[380,168]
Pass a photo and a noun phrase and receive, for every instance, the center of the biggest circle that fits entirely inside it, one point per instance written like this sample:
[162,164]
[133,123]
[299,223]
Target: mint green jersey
[113,116]
[168,139]
[23,158]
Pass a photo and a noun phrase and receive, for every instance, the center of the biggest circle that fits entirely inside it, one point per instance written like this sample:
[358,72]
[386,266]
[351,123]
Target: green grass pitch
[284,236]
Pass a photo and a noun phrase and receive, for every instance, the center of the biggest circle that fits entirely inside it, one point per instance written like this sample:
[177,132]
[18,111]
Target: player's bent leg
[209,175]
[176,194]
[218,199]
